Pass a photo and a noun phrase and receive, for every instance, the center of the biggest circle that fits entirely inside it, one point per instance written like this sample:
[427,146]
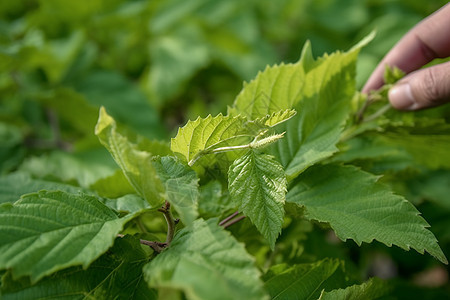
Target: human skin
[420,88]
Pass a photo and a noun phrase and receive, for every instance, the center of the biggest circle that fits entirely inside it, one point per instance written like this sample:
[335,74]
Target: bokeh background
[156,64]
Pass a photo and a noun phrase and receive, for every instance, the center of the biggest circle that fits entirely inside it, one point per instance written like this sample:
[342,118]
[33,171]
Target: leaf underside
[135,164]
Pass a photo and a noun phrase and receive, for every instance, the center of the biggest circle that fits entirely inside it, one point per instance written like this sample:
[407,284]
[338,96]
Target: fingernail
[401,97]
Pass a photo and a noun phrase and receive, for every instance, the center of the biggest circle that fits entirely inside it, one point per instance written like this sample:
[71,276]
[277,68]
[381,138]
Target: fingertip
[401,97]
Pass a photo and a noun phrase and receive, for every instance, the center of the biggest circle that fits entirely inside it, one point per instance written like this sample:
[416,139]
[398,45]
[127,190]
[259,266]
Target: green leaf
[213,202]
[113,186]
[392,74]
[14,185]
[79,168]
[136,165]
[320,90]
[206,262]
[176,57]
[72,108]
[434,146]
[374,288]
[283,86]
[312,135]
[432,186]
[273,119]
[11,152]
[263,96]
[257,185]
[131,203]
[180,185]
[48,231]
[304,281]
[153,146]
[116,274]
[358,207]
[203,135]
[123,99]
[224,133]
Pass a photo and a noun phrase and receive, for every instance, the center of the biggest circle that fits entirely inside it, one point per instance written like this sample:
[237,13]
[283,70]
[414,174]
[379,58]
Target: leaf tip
[104,120]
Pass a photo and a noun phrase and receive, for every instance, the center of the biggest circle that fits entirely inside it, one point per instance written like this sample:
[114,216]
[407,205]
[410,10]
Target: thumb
[423,88]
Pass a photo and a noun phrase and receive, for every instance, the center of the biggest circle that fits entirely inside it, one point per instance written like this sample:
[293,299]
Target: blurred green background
[155,64]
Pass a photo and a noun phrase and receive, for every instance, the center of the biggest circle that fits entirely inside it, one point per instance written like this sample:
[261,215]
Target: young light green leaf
[116,274]
[320,90]
[374,288]
[257,185]
[271,120]
[304,281]
[263,96]
[48,231]
[358,207]
[136,165]
[223,133]
[284,86]
[222,267]
[202,135]
[180,186]
[392,74]
[323,109]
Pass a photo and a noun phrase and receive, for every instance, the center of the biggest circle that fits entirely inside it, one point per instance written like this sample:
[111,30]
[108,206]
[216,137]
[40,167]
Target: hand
[423,88]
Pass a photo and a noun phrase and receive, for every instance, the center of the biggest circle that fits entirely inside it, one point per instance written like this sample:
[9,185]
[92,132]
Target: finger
[427,40]
[423,88]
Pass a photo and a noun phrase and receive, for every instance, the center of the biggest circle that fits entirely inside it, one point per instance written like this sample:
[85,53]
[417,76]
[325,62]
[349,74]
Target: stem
[229,218]
[233,221]
[360,115]
[371,98]
[378,113]
[217,150]
[170,222]
[156,246]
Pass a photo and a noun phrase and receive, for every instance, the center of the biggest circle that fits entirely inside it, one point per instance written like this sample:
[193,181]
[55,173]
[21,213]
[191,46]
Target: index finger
[428,40]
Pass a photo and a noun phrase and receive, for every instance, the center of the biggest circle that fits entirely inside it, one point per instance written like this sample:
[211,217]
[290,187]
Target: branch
[229,218]
[171,222]
[374,96]
[234,221]
[228,221]
[156,246]
[378,113]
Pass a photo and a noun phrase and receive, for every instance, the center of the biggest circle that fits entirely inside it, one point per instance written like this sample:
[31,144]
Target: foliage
[258,199]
